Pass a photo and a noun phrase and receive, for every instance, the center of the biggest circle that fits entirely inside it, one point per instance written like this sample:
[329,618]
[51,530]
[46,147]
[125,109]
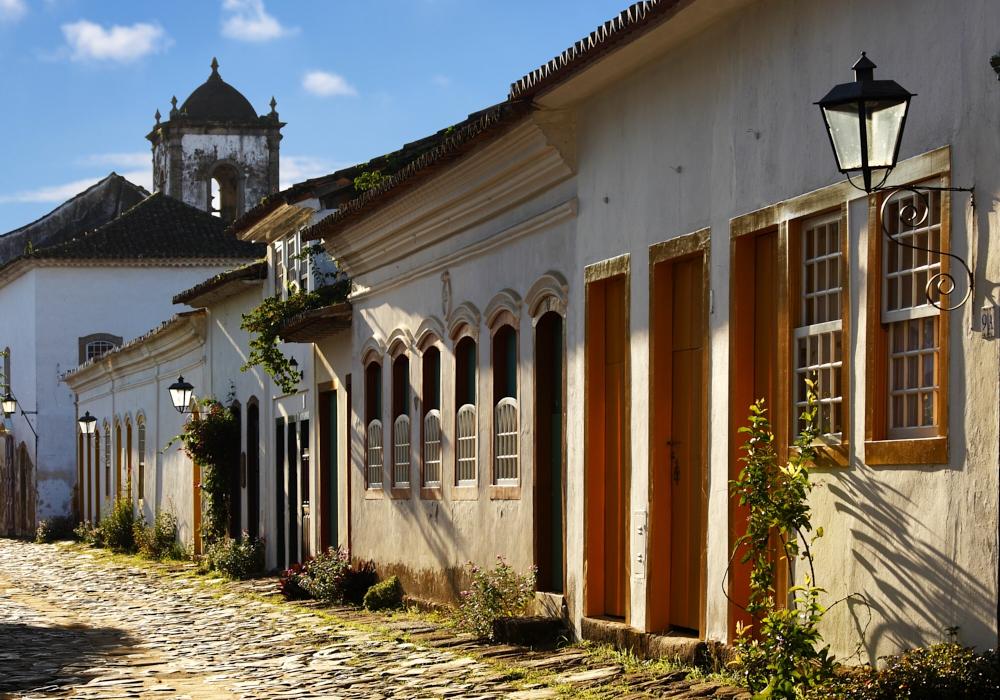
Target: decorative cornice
[20,267]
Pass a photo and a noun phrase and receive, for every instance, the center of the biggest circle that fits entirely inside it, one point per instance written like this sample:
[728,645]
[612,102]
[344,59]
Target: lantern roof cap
[865,88]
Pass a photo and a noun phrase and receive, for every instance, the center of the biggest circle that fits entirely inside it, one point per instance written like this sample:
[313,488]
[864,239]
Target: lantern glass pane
[885,118]
[180,397]
[842,120]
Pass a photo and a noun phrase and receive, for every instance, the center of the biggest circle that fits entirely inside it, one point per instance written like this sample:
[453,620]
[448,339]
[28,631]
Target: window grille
[465,443]
[96,348]
[432,449]
[818,341]
[506,467]
[401,452]
[142,460]
[912,322]
[107,460]
[375,454]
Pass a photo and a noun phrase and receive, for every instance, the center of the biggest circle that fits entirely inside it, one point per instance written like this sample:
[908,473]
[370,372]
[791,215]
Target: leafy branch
[267,320]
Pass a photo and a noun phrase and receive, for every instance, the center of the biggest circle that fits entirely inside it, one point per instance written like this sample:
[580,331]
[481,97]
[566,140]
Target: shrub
[116,528]
[359,580]
[237,559]
[940,671]
[384,595]
[289,585]
[89,533]
[58,527]
[160,540]
[329,577]
[494,594]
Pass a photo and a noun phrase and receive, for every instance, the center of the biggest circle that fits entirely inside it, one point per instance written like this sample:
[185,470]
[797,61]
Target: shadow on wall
[918,585]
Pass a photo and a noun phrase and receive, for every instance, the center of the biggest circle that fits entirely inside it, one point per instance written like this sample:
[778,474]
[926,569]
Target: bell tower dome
[214,152]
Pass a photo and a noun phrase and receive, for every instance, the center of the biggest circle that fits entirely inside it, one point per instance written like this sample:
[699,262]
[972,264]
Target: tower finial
[173,106]
[215,70]
[157,115]
[274,103]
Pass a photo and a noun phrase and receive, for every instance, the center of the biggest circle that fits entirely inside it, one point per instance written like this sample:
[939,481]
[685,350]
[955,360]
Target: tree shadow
[42,659]
[917,586]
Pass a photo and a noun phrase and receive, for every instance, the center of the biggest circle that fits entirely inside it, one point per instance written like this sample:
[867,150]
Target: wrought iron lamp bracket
[943,283]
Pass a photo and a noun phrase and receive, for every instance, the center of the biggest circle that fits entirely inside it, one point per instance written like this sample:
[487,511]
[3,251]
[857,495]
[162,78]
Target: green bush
[160,540]
[941,671]
[329,577]
[237,559]
[56,528]
[494,594]
[89,533]
[117,527]
[384,595]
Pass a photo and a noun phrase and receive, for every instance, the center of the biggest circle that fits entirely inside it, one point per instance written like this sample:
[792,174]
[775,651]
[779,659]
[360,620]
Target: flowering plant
[329,577]
[500,592]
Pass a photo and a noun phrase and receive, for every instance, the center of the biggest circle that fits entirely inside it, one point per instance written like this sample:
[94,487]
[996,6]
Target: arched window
[141,476]
[96,348]
[506,426]
[465,417]
[373,423]
[225,190]
[401,421]
[431,405]
[107,462]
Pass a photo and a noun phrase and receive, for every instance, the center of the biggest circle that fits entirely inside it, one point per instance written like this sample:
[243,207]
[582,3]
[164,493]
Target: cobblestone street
[74,624]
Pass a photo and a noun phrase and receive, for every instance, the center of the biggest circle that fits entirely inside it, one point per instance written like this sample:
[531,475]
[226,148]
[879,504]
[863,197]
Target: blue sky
[81,80]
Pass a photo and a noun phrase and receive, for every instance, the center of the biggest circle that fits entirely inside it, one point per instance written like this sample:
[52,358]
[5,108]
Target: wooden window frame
[879,449]
[397,351]
[464,492]
[428,342]
[502,320]
[140,445]
[828,453]
[372,358]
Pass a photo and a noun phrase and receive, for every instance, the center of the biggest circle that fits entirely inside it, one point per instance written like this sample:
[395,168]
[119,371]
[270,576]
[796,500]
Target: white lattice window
[909,317]
[401,452]
[107,460]
[96,348]
[432,449]
[818,333]
[506,445]
[375,454]
[465,443]
[141,485]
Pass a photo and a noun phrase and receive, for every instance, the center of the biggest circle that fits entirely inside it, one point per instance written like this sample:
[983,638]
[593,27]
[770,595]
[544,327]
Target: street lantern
[180,394]
[8,403]
[87,424]
[865,121]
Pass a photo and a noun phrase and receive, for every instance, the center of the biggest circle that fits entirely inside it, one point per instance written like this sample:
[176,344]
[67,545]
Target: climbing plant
[267,320]
[208,438]
[782,657]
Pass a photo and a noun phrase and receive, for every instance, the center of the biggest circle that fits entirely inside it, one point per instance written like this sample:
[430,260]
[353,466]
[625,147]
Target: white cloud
[12,10]
[249,21]
[138,159]
[91,41]
[57,194]
[326,84]
[298,168]
[441,80]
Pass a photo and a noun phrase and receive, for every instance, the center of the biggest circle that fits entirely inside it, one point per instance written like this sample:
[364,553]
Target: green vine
[208,438]
[366,181]
[782,659]
[267,320]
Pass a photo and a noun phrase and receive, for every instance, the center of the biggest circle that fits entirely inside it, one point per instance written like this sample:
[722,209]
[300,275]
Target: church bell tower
[214,152]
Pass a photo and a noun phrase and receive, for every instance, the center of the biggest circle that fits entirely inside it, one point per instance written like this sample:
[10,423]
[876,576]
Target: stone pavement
[76,625]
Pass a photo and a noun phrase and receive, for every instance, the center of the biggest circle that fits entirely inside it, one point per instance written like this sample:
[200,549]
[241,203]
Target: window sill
[400,493]
[830,456]
[465,493]
[374,493]
[505,493]
[906,452]
[430,493]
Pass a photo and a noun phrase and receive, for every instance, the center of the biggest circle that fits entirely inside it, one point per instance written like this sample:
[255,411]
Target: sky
[81,80]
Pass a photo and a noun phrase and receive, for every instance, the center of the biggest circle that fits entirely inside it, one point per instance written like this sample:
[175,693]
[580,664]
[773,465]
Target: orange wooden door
[615,472]
[758,317]
[687,538]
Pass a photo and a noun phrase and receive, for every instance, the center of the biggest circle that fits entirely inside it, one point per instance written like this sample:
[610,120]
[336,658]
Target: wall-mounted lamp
[180,395]
[88,424]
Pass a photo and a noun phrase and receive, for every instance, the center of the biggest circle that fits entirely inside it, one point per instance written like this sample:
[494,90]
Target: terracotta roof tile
[608,36]
[157,227]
